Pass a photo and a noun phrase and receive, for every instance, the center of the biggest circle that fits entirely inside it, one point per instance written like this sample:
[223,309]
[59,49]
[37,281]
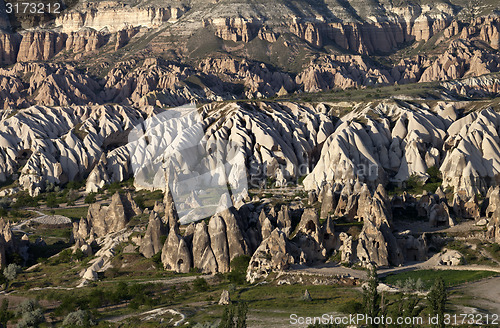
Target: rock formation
[273,254]
[151,243]
[102,220]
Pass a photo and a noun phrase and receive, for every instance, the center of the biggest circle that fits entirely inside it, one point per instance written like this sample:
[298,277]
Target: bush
[157,260]
[121,291]
[11,271]
[90,198]
[75,185]
[5,314]
[52,201]
[31,314]
[351,306]
[434,175]
[200,285]
[414,184]
[239,267]
[78,318]
[25,200]
[139,200]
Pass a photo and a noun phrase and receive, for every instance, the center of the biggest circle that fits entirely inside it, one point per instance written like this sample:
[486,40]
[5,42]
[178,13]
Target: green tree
[90,198]
[5,314]
[371,298]
[78,318]
[10,273]
[414,184]
[239,267]
[31,314]
[200,285]
[437,298]
[227,320]
[434,174]
[410,308]
[241,320]
[52,201]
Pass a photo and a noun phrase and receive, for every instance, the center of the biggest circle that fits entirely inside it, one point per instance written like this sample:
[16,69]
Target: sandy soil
[486,293]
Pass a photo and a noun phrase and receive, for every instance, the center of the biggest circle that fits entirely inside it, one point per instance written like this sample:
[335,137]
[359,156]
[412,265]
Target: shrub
[157,260]
[239,267]
[351,306]
[52,201]
[5,314]
[78,318]
[434,174]
[31,314]
[25,200]
[90,198]
[414,184]
[139,200]
[75,185]
[121,291]
[200,285]
[10,273]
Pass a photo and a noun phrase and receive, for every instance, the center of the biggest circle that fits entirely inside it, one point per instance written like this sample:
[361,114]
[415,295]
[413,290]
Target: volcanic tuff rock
[309,236]
[273,254]
[276,139]
[493,211]
[56,145]
[203,255]
[8,243]
[112,17]
[94,30]
[151,243]
[103,220]
[422,137]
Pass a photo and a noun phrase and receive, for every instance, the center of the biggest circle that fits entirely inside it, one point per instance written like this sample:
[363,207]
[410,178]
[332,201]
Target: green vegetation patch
[74,213]
[452,277]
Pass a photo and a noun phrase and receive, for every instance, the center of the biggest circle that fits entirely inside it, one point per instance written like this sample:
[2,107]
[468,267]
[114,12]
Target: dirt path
[329,269]
[151,315]
[485,293]
[426,266]
[42,218]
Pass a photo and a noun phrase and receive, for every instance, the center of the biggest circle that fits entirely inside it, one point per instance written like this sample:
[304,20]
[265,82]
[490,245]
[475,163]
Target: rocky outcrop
[273,254]
[224,298]
[219,242]
[175,254]
[237,245]
[373,153]
[62,144]
[309,237]
[376,242]
[7,242]
[440,215]
[103,220]
[413,248]
[99,16]
[151,243]
[203,255]
[493,212]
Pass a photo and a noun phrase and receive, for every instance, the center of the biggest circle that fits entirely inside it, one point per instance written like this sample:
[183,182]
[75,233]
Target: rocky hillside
[170,53]
[375,102]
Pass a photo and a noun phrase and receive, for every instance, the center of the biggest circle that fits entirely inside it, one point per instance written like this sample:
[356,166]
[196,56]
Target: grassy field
[74,213]
[451,277]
